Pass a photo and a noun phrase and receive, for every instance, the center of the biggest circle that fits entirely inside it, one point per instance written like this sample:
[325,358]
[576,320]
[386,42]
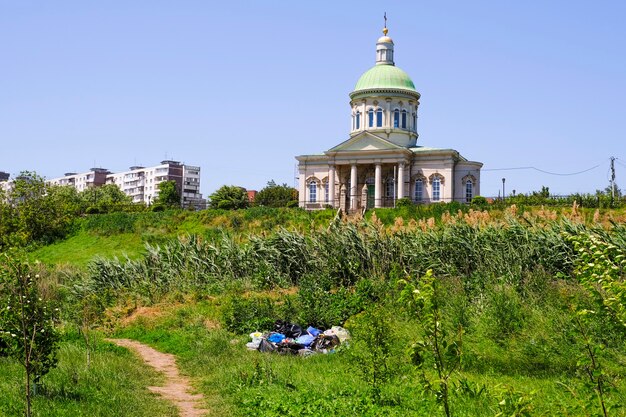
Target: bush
[247,314]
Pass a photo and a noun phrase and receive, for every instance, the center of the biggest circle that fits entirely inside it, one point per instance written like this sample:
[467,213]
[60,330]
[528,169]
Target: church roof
[384,77]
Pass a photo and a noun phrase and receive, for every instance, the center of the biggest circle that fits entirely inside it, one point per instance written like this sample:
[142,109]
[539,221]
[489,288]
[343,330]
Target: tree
[274,195]
[229,197]
[106,198]
[35,212]
[168,194]
[26,322]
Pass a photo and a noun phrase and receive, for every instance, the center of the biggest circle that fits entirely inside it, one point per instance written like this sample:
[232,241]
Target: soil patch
[177,388]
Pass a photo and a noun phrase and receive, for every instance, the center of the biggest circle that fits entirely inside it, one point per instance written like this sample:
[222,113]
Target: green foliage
[480,202]
[404,202]
[106,199]
[169,195]
[115,384]
[504,313]
[248,314]
[274,195]
[601,271]
[27,330]
[35,213]
[372,349]
[322,306]
[110,224]
[439,343]
[229,197]
[515,403]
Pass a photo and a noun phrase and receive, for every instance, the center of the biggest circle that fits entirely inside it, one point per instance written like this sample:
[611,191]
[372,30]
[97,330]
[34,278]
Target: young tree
[168,194]
[26,322]
[274,195]
[229,197]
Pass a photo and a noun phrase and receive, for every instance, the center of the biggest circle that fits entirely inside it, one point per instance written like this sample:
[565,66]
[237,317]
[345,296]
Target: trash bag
[265,346]
[256,340]
[313,331]
[288,329]
[305,339]
[276,337]
[338,331]
[325,343]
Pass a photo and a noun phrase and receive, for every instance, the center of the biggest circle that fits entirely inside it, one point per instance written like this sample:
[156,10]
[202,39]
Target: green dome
[384,77]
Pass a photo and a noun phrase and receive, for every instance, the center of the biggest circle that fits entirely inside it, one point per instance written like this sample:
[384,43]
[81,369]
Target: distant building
[4,176]
[92,178]
[141,183]
[251,195]
[381,162]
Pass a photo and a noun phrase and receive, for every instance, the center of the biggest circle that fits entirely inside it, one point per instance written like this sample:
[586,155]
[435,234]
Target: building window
[436,189]
[312,192]
[403,119]
[358,120]
[469,191]
[379,117]
[414,122]
[326,196]
[370,117]
[419,190]
[396,118]
[389,188]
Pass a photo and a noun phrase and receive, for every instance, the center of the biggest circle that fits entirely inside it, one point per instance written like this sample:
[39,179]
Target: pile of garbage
[290,339]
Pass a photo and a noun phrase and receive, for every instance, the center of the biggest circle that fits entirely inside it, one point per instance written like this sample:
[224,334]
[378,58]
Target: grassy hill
[513,310]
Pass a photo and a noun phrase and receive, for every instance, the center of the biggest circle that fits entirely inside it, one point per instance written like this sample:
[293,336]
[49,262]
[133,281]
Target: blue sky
[241,88]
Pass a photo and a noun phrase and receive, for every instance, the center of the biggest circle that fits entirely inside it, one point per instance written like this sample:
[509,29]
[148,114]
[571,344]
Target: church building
[381,161]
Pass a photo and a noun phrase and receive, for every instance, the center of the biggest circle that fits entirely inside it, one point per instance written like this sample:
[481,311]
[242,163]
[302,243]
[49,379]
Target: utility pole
[612,179]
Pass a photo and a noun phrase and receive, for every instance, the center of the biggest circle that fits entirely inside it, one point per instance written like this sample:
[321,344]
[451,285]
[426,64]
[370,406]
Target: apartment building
[141,183]
[81,181]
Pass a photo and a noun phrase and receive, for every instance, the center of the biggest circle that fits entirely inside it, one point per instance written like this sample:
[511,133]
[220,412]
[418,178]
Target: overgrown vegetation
[522,314]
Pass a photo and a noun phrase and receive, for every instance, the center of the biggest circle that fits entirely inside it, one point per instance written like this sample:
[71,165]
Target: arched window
[326,195]
[370,118]
[358,120]
[419,190]
[313,192]
[436,189]
[415,122]
[469,191]
[403,119]
[379,117]
[396,118]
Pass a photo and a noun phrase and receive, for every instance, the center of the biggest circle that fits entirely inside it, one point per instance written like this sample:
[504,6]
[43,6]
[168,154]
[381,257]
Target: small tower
[384,49]
[384,101]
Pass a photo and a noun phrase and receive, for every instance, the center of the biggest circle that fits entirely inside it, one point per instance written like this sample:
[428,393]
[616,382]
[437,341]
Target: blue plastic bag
[276,337]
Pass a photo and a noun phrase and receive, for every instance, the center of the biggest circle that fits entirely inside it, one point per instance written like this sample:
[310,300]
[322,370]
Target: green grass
[80,249]
[242,383]
[115,384]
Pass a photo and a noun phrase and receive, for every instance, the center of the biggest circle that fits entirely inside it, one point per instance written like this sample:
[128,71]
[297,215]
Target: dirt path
[177,388]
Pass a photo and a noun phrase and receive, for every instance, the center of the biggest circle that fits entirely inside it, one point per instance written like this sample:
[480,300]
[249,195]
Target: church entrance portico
[371,185]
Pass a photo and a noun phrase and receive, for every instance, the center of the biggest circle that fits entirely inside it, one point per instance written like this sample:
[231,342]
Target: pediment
[364,142]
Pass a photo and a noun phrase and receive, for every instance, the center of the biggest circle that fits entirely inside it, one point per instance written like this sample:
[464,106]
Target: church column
[400,179]
[331,185]
[302,181]
[388,118]
[378,185]
[353,187]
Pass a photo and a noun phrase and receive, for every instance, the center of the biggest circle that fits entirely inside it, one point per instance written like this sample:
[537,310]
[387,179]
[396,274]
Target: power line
[543,171]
